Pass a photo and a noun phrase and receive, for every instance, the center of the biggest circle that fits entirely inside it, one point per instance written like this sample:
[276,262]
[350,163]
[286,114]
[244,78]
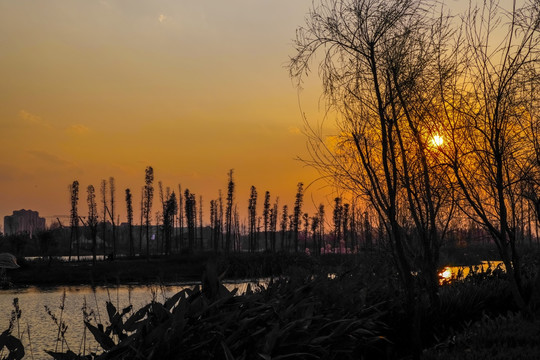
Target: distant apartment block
[23,221]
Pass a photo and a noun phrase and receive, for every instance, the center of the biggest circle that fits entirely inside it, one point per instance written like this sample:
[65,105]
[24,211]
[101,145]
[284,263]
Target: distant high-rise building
[23,221]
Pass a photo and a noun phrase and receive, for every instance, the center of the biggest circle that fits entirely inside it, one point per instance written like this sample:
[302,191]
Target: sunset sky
[93,89]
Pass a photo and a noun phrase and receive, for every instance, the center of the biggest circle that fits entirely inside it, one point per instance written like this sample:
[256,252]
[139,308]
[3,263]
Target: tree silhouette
[320,214]
[273,223]
[189,201]
[368,233]
[112,190]
[236,229]
[283,224]
[103,191]
[252,218]
[494,102]
[141,222]
[181,215]
[129,210]
[345,224]
[214,224]
[305,221]
[228,211]
[382,66]
[315,246]
[171,208]
[266,217]
[201,221]
[220,217]
[163,198]
[297,211]
[147,204]
[74,217]
[337,218]
[92,219]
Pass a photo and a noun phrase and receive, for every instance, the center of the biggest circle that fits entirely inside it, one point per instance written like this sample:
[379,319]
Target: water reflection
[38,331]
[452,273]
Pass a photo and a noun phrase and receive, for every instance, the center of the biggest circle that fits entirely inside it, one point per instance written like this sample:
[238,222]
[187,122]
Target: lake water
[38,331]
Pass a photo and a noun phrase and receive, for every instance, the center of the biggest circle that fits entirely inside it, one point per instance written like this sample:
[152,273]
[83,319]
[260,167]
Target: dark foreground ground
[358,312]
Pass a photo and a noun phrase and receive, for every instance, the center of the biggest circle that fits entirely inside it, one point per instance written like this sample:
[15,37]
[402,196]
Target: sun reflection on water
[451,273]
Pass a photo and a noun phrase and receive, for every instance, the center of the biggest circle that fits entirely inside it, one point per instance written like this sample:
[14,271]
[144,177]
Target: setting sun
[437,140]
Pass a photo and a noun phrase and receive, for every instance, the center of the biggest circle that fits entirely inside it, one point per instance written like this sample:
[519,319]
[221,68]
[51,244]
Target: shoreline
[189,268]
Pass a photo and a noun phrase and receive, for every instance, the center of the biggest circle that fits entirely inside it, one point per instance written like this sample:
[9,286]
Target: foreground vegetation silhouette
[359,312]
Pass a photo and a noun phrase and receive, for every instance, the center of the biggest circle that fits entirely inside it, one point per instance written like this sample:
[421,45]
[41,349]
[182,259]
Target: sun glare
[437,140]
[445,275]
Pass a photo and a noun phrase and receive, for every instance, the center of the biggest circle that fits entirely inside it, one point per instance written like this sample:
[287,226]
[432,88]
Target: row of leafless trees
[346,228]
[177,224]
[437,118]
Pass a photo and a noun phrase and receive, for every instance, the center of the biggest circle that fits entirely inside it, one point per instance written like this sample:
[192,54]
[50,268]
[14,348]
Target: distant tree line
[178,226]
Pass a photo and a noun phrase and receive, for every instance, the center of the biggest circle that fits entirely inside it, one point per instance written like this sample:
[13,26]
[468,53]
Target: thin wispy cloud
[30,118]
[78,129]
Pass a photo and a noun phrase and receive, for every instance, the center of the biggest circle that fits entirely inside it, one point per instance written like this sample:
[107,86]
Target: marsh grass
[292,318]
[359,312]
[61,326]
[508,336]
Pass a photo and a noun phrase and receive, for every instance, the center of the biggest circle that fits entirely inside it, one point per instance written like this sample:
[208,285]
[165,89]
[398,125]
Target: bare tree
[74,217]
[315,246]
[381,66]
[489,110]
[266,217]
[92,219]
[320,214]
[181,215]
[190,204]
[220,217]
[163,198]
[236,229]
[148,197]
[252,218]
[337,218]
[305,219]
[214,224]
[103,191]
[532,187]
[112,190]
[345,224]
[273,223]
[141,222]
[283,224]
[299,199]
[229,211]
[201,221]
[169,214]
[129,210]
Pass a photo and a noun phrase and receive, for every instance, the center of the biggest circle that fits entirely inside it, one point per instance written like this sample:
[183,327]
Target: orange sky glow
[93,89]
